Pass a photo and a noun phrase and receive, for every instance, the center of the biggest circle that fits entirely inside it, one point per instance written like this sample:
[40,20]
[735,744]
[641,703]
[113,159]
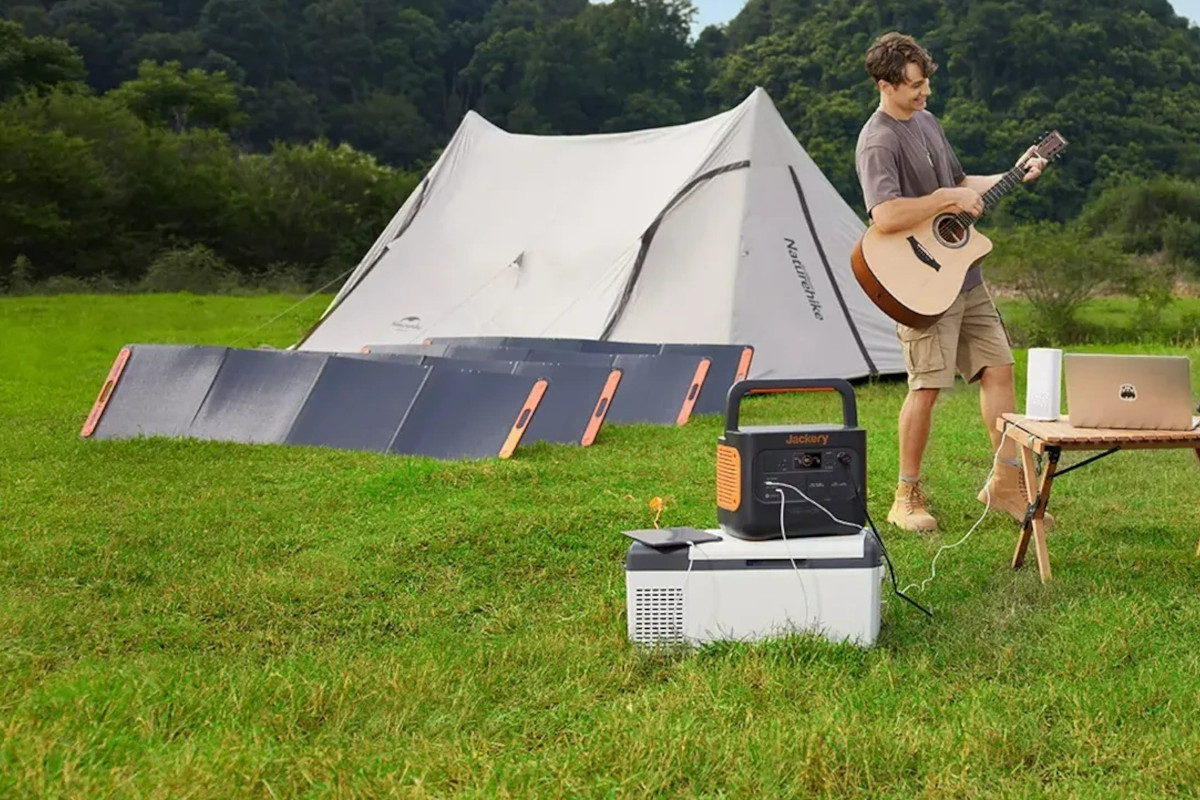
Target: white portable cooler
[740,590]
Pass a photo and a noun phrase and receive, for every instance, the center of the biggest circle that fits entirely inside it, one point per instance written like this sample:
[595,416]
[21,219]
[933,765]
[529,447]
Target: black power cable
[886,557]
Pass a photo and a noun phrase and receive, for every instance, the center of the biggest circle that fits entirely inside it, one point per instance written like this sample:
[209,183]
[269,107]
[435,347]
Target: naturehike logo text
[802,273]
[815,438]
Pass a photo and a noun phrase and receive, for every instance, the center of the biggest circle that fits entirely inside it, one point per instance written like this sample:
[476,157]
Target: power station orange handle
[740,389]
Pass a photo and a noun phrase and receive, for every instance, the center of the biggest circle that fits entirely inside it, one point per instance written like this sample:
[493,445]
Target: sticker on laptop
[1128,392]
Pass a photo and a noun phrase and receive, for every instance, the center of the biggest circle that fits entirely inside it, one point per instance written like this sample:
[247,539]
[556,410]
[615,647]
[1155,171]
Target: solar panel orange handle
[744,364]
[689,401]
[519,427]
[110,383]
[601,409]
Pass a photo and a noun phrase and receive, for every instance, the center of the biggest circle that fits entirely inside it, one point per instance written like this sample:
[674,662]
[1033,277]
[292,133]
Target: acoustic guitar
[914,275]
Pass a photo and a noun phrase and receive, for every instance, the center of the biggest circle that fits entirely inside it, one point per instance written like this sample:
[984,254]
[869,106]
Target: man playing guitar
[909,172]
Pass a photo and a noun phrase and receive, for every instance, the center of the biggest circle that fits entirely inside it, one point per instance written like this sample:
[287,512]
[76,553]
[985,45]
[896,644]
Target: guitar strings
[992,196]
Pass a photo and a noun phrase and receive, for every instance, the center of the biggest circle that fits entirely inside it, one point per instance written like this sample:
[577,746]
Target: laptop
[1137,392]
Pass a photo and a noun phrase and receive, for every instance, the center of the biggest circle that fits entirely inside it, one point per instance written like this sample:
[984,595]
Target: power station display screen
[823,475]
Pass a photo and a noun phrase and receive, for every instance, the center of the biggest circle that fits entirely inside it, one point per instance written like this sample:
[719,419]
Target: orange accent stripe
[601,409]
[729,478]
[110,383]
[518,428]
[689,401]
[744,365]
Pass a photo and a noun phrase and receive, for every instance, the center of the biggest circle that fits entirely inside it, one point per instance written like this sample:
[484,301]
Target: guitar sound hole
[950,232]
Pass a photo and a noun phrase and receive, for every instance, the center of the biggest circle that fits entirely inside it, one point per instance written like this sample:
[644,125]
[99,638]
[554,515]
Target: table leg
[1038,494]
[1026,528]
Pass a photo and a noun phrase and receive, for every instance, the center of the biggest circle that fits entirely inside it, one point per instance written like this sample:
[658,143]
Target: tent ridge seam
[648,236]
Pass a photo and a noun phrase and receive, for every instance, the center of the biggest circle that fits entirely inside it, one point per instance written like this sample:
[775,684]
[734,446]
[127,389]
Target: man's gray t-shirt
[907,158]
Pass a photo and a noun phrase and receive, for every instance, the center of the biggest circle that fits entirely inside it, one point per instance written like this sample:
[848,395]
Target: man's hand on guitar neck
[1034,166]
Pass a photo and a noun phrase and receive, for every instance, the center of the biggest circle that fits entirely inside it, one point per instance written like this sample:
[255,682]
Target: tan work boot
[910,509]
[1007,488]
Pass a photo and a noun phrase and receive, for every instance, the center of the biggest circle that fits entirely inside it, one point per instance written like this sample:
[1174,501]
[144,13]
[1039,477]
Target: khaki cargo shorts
[969,337]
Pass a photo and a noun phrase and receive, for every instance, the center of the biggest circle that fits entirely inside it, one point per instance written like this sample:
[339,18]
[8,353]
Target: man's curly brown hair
[892,52]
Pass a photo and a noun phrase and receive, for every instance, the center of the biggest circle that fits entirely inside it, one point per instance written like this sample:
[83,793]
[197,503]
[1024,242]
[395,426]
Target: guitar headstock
[1051,145]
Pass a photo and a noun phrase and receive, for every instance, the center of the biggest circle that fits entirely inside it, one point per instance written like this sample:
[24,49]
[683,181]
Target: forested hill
[394,77]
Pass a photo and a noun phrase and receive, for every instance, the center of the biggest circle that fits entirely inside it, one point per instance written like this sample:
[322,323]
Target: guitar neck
[1009,181]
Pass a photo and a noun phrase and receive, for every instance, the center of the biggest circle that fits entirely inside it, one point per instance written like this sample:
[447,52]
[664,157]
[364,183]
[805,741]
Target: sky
[1187,8]
[715,12]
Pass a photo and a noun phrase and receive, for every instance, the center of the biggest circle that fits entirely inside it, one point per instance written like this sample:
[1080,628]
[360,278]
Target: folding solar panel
[357,404]
[654,388]
[528,342]
[401,403]
[257,395]
[419,350]
[728,364]
[657,389]
[577,399]
[576,402]
[547,343]
[153,390]
[463,413]
[569,357]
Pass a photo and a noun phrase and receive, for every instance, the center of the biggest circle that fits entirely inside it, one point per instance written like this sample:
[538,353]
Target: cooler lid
[836,546]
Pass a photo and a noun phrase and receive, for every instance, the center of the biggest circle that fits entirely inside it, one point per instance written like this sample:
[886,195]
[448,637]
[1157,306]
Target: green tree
[35,63]
[322,205]
[55,202]
[164,94]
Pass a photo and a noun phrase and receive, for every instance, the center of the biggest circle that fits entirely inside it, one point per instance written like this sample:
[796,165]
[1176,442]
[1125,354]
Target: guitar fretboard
[1008,181]
[1006,184]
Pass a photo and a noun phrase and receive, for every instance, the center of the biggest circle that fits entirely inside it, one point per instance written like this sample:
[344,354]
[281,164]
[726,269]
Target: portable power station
[756,465]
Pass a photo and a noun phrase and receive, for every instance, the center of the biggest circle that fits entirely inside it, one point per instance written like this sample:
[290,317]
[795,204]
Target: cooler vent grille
[658,615]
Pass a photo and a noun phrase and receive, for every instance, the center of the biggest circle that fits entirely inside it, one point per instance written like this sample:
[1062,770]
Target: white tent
[716,231]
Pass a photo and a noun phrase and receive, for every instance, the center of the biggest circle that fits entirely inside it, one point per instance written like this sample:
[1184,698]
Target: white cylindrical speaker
[1043,383]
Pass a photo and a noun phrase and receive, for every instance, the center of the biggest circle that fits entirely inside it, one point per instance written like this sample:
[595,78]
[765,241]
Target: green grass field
[1115,319]
[192,619]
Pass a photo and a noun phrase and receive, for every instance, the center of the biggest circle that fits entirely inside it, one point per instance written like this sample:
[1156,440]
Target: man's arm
[904,212]
[980,183]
